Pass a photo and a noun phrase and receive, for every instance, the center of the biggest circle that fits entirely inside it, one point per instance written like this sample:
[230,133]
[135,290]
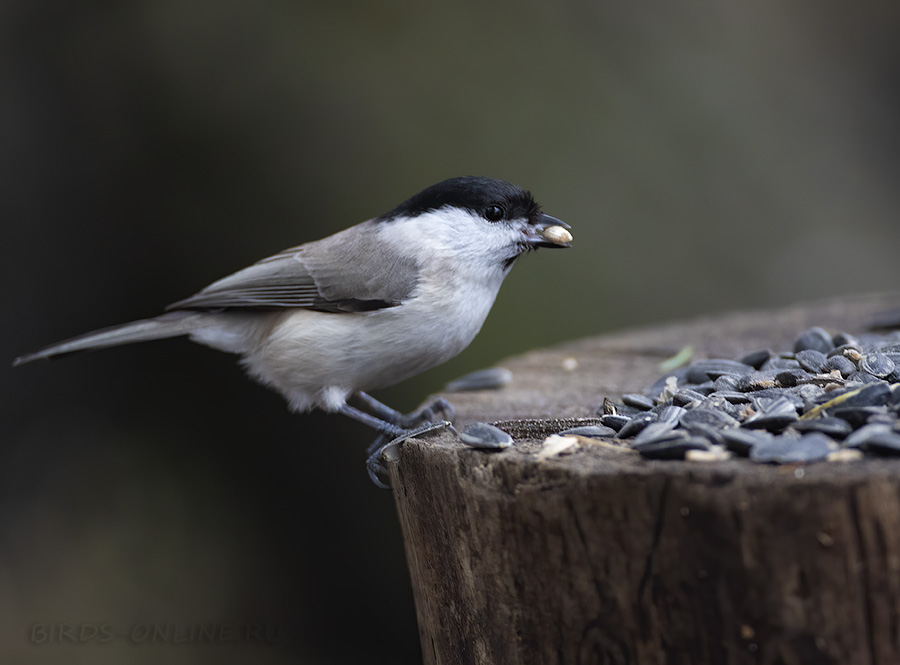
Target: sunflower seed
[840,363]
[670,414]
[762,398]
[777,364]
[705,416]
[483,435]
[886,418]
[686,396]
[741,441]
[813,338]
[757,381]
[813,447]
[713,434]
[857,416]
[613,421]
[590,431]
[705,388]
[484,379]
[885,443]
[860,438]
[732,396]
[726,382]
[773,416]
[635,425]
[836,428]
[877,394]
[863,377]
[812,360]
[638,402]
[557,234]
[674,449]
[792,377]
[719,403]
[876,364]
[756,358]
[841,338]
[704,370]
[657,432]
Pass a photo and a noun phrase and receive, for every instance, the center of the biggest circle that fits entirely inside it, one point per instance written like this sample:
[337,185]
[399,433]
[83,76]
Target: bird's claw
[389,452]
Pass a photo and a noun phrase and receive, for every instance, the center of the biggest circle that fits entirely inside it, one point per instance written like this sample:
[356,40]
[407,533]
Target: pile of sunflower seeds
[834,397]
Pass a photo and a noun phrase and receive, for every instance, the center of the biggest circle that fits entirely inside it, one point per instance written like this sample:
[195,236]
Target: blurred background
[709,156]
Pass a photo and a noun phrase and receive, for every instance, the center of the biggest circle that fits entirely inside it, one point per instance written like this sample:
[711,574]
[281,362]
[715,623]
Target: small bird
[325,322]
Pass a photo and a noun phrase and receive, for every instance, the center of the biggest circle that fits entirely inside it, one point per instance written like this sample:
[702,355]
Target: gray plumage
[327,275]
[333,274]
[171,324]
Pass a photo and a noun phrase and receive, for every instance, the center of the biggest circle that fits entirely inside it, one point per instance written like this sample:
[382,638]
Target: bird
[326,322]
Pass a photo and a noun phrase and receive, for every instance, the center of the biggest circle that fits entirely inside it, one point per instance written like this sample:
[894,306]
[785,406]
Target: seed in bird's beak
[557,234]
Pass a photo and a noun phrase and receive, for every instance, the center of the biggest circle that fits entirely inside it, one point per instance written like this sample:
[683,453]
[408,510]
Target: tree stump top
[556,388]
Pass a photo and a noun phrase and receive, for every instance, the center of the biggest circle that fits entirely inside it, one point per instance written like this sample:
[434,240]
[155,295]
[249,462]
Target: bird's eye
[494,213]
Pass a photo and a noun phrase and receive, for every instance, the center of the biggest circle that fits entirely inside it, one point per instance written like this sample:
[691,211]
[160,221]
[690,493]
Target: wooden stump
[602,557]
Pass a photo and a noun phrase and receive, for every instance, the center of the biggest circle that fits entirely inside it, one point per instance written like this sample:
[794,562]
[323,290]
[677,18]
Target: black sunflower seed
[813,447]
[813,338]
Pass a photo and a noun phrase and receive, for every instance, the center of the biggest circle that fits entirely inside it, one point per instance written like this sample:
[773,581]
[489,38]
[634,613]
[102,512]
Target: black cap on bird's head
[494,200]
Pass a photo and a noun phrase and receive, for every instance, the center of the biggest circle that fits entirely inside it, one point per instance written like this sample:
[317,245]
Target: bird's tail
[171,324]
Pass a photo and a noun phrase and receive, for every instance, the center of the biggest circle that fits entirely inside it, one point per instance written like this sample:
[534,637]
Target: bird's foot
[428,413]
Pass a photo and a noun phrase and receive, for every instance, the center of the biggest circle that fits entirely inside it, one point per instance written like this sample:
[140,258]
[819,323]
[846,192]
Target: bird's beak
[549,232]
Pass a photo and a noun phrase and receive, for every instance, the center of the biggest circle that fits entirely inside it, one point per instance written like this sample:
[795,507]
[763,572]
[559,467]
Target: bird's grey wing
[346,272]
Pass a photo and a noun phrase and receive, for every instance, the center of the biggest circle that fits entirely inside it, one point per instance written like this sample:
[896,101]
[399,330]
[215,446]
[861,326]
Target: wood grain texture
[601,557]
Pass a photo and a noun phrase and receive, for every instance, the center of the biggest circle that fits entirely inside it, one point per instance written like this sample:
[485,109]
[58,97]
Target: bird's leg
[388,432]
[394,428]
[387,429]
[379,409]
[426,414]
